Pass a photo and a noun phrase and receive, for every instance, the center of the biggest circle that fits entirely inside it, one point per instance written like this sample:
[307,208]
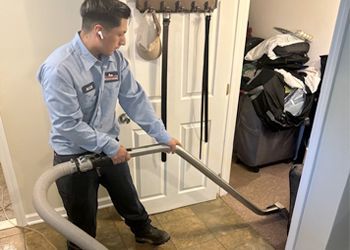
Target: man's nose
[123,41]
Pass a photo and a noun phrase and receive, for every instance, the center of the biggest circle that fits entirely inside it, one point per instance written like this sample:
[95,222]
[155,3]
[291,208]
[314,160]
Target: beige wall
[313,16]
[30,31]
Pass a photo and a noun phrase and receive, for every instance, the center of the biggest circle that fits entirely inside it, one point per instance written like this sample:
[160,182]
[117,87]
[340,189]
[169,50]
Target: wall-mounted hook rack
[207,7]
[194,7]
[164,7]
[177,6]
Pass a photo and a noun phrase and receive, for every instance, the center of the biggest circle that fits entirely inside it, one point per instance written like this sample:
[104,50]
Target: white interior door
[164,186]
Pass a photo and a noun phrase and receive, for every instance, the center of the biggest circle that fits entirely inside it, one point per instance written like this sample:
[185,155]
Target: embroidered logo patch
[111,76]
[88,87]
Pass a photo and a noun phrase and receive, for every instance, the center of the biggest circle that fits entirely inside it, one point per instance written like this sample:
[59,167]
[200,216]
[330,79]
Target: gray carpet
[264,188]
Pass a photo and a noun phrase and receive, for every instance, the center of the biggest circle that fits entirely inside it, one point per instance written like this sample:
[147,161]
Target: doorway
[271,183]
[11,212]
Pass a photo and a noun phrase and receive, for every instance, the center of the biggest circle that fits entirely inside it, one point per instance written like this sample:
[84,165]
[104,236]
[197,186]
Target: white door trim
[10,178]
[236,72]
[317,130]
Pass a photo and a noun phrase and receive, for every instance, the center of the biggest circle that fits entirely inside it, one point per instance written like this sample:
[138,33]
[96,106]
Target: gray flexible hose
[48,214]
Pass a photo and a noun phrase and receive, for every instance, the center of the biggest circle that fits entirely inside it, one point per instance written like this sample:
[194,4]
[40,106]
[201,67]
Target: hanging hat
[150,50]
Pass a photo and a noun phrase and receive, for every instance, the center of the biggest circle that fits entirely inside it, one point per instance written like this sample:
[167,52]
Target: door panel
[175,183]
[147,170]
[190,178]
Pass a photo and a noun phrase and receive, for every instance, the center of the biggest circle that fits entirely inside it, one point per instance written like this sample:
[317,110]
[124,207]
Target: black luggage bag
[294,181]
[256,145]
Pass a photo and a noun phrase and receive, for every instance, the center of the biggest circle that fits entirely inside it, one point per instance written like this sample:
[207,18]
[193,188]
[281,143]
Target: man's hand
[172,144]
[122,155]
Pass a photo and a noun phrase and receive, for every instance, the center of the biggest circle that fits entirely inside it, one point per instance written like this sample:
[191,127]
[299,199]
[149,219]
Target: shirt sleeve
[136,104]
[66,115]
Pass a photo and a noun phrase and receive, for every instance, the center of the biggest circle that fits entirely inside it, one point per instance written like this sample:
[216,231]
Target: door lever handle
[123,118]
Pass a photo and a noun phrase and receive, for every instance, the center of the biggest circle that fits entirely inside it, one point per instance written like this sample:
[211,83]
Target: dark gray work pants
[79,195]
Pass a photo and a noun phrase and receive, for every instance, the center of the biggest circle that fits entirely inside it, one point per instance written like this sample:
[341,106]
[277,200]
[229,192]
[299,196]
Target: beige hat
[152,50]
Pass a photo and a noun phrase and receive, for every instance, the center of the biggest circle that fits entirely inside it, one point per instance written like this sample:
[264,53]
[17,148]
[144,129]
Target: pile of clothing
[279,83]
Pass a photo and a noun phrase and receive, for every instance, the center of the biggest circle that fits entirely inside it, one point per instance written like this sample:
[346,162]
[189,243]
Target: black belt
[205,91]
[166,22]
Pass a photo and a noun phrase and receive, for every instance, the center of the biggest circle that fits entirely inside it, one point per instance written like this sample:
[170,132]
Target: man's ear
[98,31]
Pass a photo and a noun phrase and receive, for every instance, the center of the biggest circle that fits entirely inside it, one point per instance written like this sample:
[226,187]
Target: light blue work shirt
[81,93]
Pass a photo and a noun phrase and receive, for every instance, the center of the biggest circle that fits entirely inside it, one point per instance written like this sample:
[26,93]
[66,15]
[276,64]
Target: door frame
[234,86]
[11,180]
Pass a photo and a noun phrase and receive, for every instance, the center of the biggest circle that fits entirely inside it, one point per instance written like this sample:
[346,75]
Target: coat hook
[179,7]
[145,5]
[194,7]
[148,8]
[163,7]
[207,8]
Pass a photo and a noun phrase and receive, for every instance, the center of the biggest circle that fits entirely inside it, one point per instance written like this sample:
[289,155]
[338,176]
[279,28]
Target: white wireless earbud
[100,34]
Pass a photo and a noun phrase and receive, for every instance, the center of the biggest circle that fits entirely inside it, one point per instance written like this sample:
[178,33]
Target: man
[82,82]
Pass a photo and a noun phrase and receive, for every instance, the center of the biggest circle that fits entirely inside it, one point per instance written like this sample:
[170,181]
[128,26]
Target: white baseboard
[7,224]
[34,218]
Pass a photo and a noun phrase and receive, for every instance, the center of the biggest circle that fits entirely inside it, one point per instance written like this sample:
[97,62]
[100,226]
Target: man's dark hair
[105,12]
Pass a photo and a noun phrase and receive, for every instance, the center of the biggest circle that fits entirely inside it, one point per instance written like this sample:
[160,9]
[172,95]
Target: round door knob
[123,118]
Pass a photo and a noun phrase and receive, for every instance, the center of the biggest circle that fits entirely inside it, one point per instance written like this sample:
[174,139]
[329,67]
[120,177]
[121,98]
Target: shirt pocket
[87,97]
[112,89]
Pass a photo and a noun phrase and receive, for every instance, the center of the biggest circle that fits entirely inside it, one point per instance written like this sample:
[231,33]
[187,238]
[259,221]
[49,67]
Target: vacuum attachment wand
[151,149]
[95,161]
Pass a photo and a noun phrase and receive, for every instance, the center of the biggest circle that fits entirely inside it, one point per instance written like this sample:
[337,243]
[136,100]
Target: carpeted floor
[269,185]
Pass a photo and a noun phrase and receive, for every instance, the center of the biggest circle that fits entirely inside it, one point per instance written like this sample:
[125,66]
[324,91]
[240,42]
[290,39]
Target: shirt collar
[87,58]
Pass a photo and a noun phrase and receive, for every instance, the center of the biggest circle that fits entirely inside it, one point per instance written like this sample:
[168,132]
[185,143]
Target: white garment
[312,79]
[292,81]
[268,45]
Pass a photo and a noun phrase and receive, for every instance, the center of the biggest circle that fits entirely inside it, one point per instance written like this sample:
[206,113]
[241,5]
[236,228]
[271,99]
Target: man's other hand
[172,144]
[122,155]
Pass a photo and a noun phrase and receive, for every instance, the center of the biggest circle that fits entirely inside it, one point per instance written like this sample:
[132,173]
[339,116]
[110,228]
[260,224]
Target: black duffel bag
[267,93]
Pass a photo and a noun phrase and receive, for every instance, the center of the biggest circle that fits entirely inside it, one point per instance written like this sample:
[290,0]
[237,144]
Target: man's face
[114,38]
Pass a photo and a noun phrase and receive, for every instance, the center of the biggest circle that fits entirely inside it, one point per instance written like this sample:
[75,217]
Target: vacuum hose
[48,214]
[93,161]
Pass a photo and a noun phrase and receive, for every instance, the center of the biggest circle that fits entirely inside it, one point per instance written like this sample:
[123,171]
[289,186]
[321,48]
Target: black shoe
[72,246]
[152,235]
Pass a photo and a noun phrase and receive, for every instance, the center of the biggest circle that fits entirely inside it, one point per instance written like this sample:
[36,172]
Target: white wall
[30,31]
[339,238]
[323,187]
[313,16]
